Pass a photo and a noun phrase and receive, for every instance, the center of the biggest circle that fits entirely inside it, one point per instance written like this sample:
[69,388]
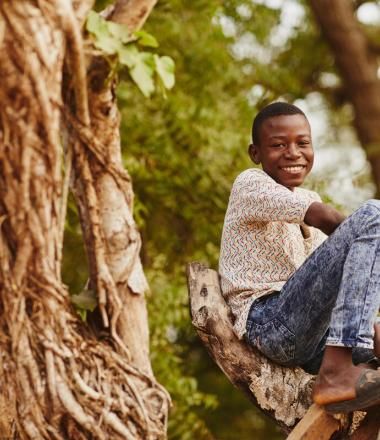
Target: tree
[59,377]
[282,393]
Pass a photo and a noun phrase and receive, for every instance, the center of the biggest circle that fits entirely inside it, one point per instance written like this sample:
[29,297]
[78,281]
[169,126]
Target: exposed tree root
[58,369]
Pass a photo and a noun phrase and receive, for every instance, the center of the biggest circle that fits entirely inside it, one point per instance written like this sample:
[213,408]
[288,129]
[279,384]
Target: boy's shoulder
[258,180]
[309,194]
[252,175]
[253,172]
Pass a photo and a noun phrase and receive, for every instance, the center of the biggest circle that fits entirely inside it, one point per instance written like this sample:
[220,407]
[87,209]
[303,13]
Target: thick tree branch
[283,394]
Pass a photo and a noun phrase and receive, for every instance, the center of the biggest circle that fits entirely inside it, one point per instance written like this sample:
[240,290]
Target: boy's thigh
[268,333]
[283,340]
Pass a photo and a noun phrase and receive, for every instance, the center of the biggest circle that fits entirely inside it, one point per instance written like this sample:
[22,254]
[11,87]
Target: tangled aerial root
[56,372]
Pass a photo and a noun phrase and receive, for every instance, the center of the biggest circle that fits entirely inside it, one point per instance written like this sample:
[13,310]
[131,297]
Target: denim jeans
[332,299]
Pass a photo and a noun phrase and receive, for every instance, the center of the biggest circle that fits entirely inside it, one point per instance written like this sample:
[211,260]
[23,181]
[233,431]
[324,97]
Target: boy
[300,298]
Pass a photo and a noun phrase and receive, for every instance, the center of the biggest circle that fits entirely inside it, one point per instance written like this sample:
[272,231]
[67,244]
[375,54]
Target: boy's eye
[303,143]
[278,145]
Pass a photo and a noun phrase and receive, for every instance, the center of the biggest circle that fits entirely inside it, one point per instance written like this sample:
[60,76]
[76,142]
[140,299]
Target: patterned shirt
[264,240]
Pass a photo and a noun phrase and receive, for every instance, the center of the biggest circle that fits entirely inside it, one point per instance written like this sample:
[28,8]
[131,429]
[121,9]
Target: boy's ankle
[376,341]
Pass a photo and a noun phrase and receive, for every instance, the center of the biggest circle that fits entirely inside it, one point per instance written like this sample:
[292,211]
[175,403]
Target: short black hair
[269,111]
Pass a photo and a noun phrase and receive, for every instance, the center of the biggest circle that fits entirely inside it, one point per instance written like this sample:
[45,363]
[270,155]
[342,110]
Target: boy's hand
[323,217]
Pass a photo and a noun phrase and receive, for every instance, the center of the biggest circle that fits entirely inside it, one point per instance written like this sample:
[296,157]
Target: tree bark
[369,427]
[132,13]
[56,379]
[358,66]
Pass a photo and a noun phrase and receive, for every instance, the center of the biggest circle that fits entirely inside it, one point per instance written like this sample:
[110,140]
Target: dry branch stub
[316,424]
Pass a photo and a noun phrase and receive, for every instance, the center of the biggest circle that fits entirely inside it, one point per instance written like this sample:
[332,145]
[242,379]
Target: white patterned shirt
[264,240]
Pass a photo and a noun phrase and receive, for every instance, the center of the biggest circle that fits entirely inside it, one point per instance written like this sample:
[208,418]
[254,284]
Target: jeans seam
[366,306]
[248,326]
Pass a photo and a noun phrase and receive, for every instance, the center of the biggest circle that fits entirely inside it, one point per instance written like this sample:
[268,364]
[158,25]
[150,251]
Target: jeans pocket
[276,342]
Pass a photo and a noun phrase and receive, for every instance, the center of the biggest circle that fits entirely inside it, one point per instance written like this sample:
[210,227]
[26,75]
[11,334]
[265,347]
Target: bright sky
[369,13]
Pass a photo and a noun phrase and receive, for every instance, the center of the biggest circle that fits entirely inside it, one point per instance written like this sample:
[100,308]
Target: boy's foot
[359,389]
[332,386]
[367,394]
[377,341]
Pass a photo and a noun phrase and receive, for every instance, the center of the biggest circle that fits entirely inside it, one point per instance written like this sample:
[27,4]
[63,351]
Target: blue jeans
[332,299]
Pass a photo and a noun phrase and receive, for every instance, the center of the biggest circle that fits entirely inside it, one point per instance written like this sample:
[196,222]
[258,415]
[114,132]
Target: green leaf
[109,45]
[85,300]
[165,70]
[128,55]
[146,39]
[119,31]
[94,22]
[101,30]
[97,26]
[142,73]
[82,313]
[141,67]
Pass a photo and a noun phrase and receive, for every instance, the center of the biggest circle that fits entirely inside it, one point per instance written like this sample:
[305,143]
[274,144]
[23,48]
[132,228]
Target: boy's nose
[293,151]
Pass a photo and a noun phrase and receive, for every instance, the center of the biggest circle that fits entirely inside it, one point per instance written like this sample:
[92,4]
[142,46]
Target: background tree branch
[132,13]
[358,67]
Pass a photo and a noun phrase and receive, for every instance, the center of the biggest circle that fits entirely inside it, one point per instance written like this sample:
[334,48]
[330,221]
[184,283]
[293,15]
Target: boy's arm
[323,217]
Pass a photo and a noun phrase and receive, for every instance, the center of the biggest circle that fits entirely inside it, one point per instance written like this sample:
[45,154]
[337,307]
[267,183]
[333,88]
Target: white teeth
[294,169]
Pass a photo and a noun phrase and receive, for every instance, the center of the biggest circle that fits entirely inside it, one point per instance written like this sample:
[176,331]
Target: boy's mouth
[294,169]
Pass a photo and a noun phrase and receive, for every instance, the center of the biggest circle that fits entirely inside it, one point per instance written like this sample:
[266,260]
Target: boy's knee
[370,207]
[372,204]
[366,217]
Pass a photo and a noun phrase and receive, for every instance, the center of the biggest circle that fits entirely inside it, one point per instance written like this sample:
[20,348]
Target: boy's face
[285,150]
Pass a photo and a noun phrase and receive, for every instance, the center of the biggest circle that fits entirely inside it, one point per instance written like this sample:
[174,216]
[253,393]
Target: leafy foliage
[116,41]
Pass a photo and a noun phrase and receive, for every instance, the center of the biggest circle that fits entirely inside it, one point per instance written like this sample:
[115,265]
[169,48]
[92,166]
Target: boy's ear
[254,153]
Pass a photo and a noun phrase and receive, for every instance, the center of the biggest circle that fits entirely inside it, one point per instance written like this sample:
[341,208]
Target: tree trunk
[358,67]
[56,379]
[112,240]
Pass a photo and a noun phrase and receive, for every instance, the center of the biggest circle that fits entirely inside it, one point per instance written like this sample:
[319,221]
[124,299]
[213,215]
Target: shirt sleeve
[256,197]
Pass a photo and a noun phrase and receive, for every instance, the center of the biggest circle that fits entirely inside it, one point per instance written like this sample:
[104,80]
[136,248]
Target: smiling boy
[300,298]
